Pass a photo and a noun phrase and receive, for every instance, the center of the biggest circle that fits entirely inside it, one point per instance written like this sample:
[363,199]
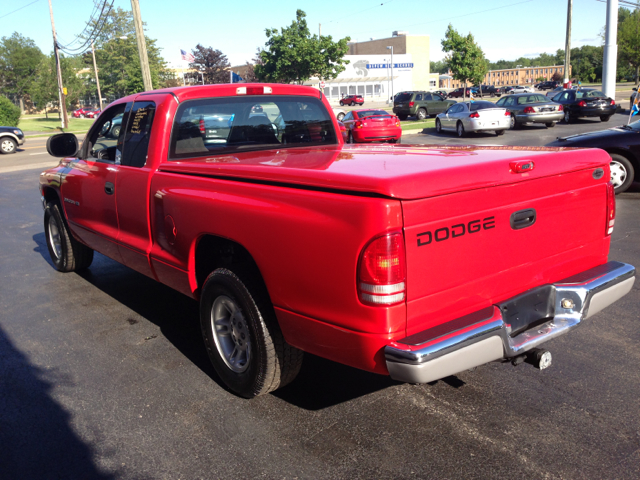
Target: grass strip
[52,125]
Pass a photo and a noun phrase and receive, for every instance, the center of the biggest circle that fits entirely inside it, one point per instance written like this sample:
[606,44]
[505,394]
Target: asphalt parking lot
[104,375]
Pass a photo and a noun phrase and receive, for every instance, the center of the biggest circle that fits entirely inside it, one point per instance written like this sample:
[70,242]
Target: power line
[7,14]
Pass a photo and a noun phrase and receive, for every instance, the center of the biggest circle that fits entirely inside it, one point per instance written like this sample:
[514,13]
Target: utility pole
[391,48]
[567,43]
[61,94]
[319,30]
[95,69]
[610,57]
[142,46]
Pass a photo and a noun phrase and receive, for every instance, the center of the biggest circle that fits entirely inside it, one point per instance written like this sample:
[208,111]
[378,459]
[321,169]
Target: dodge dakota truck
[417,262]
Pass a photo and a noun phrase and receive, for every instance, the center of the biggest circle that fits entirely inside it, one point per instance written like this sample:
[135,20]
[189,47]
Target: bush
[9,113]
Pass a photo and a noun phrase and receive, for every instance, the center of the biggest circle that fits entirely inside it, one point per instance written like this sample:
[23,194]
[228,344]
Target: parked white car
[522,89]
[339,113]
[465,117]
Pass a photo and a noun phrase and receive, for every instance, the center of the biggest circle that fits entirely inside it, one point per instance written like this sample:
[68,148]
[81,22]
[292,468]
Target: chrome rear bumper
[491,334]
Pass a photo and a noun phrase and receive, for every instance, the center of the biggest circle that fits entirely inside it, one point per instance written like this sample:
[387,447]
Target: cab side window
[137,133]
[102,141]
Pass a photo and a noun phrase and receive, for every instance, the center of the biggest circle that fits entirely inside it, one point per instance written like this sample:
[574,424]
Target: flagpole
[183,81]
[230,76]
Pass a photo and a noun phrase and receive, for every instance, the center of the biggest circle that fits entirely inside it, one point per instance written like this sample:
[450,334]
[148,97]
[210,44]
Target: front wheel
[460,129]
[242,336]
[605,118]
[438,126]
[8,145]
[622,172]
[115,133]
[340,116]
[341,103]
[67,254]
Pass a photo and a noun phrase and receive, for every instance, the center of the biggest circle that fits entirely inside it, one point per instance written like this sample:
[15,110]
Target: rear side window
[234,124]
[136,139]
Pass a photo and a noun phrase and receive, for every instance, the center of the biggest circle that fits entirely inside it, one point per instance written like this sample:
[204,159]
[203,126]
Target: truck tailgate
[471,249]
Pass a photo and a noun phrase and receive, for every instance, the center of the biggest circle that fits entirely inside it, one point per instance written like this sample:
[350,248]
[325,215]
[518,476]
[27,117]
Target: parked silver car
[531,108]
[467,117]
[522,89]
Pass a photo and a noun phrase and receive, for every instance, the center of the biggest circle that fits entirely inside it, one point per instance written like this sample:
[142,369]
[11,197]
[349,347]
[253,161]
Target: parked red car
[352,100]
[83,112]
[93,113]
[372,126]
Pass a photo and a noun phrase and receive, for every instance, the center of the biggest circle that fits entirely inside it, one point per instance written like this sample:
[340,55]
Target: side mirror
[62,145]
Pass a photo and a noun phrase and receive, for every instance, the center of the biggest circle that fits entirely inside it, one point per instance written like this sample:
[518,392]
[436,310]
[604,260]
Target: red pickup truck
[414,261]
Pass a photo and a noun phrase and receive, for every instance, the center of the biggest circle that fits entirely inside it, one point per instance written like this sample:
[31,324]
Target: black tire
[403,117]
[550,124]
[8,145]
[622,172]
[438,126]
[499,132]
[245,323]
[340,116]
[350,137]
[568,118]
[421,114]
[605,118]
[513,125]
[115,131]
[460,129]
[67,254]
[341,103]
[353,104]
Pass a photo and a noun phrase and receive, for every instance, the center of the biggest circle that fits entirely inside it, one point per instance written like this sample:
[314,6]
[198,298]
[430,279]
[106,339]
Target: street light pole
[391,48]
[61,94]
[95,69]
[567,44]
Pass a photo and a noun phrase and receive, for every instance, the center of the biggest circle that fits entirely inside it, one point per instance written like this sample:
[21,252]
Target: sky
[504,29]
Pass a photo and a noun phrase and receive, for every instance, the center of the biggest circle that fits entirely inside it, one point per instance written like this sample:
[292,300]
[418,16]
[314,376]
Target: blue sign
[388,65]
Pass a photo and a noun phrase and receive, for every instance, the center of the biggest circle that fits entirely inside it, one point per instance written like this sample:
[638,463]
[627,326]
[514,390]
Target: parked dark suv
[550,85]
[420,104]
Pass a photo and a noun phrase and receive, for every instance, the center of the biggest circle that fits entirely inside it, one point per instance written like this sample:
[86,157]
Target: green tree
[629,40]
[9,113]
[118,60]
[46,85]
[19,60]
[293,55]
[212,64]
[438,67]
[464,57]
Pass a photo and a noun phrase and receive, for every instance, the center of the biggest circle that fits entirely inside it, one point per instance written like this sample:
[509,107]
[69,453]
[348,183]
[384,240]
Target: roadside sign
[322,84]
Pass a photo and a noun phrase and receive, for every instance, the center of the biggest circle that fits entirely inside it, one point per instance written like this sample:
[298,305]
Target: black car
[622,143]
[10,138]
[549,85]
[585,102]
[490,90]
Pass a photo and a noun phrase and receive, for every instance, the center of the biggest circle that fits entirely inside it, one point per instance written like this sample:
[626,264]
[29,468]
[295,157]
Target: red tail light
[507,114]
[253,90]
[582,103]
[529,110]
[560,109]
[358,124]
[613,102]
[474,115]
[201,124]
[382,271]
[611,209]
[411,104]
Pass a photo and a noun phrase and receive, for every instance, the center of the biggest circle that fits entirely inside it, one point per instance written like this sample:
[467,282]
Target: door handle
[523,219]
[109,188]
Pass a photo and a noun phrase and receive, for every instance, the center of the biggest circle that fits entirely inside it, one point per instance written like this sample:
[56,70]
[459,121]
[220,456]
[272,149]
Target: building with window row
[513,76]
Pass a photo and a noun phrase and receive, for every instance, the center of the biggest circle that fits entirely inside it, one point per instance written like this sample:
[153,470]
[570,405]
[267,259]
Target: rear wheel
[421,114]
[242,336]
[340,116]
[67,254]
[350,138]
[550,124]
[568,118]
[513,125]
[353,104]
[622,172]
[460,129]
[605,118]
[438,126]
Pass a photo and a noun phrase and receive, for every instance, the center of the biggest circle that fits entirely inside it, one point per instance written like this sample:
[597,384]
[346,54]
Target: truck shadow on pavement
[35,433]
[320,384]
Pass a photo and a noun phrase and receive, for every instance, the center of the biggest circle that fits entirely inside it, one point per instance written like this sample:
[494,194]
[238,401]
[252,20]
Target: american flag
[187,56]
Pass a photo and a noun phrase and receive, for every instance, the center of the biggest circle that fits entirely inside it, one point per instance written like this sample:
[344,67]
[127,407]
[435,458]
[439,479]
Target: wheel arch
[213,252]
[10,135]
[629,156]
